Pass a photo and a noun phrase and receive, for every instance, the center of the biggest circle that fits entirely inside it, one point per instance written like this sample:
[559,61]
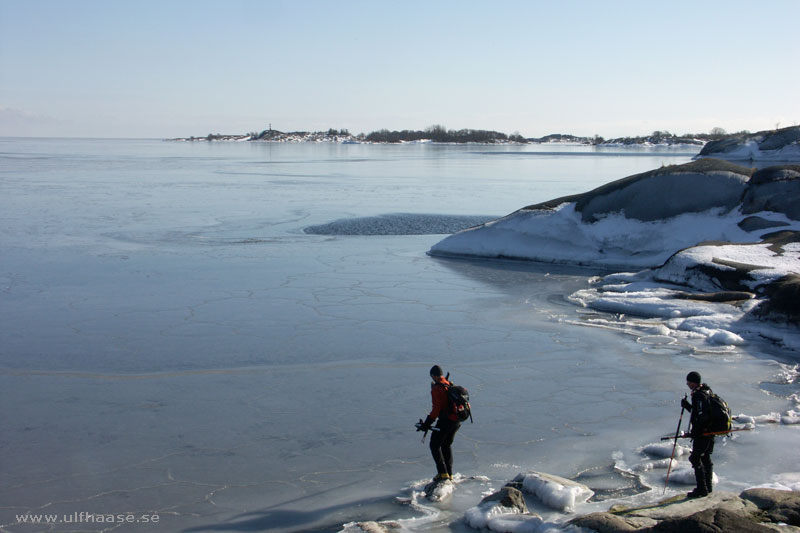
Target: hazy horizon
[163,70]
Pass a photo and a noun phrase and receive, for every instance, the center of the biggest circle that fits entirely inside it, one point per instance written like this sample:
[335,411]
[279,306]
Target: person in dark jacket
[446,426]
[702,445]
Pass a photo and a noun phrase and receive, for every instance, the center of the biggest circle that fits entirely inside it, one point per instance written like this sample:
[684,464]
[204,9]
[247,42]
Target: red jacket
[441,404]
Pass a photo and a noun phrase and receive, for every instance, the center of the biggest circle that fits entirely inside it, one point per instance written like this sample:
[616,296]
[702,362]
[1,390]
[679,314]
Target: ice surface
[174,342]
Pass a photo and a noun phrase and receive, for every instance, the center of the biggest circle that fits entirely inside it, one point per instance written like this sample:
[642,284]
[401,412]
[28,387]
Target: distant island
[440,134]
[437,134]
[655,138]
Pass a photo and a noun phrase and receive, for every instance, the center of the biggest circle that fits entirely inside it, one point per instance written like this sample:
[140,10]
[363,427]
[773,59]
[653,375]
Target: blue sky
[174,68]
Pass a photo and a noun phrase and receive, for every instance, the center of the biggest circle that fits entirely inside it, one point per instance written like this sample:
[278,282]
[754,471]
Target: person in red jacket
[446,427]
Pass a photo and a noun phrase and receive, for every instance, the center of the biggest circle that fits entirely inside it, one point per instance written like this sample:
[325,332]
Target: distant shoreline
[440,135]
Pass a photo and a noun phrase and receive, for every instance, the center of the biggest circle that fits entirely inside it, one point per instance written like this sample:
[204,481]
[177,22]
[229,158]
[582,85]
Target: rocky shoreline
[754,510]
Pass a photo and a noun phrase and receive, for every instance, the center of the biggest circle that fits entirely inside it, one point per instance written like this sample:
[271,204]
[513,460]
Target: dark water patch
[400,224]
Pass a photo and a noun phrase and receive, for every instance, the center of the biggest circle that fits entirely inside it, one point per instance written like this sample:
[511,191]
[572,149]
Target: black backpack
[720,414]
[458,398]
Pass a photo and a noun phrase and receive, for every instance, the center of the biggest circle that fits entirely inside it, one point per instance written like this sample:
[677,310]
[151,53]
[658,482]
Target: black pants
[441,445]
[702,448]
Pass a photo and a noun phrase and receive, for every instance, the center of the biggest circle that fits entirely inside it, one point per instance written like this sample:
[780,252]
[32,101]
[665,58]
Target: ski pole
[709,434]
[712,433]
[426,433]
[677,432]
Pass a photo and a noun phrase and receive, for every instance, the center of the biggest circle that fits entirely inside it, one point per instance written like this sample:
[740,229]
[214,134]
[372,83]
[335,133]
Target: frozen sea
[237,337]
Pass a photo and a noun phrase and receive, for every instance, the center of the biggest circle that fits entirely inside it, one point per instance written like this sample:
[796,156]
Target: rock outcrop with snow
[754,510]
[775,145]
[709,226]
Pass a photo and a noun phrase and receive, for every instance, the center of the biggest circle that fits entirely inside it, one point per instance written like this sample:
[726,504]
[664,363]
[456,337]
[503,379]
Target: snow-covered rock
[718,243]
[668,191]
[556,492]
[775,145]
[505,510]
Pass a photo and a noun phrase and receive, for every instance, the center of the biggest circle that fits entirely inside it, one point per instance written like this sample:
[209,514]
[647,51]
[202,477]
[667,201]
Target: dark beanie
[693,377]
[436,371]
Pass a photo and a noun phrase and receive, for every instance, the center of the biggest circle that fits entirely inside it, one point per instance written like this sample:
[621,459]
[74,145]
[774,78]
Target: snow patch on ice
[489,516]
[717,323]
[784,481]
[752,421]
[505,520]
[664,449]
[555,492]
[684,474]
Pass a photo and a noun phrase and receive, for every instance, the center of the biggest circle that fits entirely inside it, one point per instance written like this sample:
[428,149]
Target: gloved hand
[424,426]
[686,405]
